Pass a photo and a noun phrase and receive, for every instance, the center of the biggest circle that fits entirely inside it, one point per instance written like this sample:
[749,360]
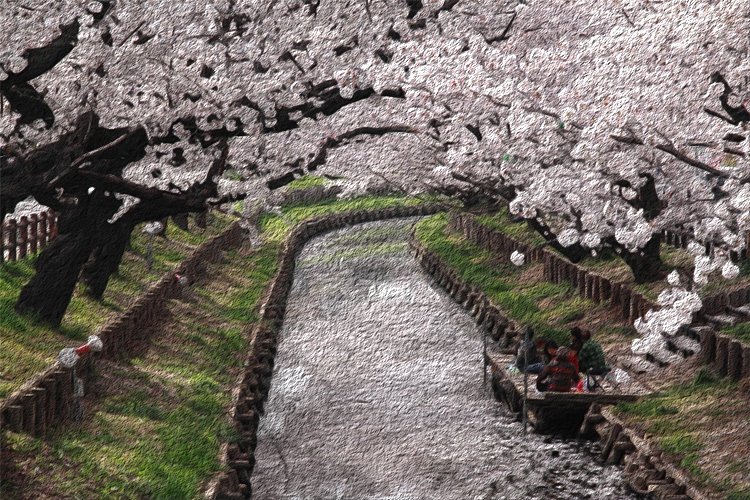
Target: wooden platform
[553,411]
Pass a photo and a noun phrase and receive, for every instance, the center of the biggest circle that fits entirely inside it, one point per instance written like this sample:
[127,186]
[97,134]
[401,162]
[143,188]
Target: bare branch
[667,148]
[626,139]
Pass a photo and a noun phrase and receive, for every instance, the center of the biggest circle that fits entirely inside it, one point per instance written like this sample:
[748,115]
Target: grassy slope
[27,348]
[608,264]
[689,420]
[520,291]
[155,427]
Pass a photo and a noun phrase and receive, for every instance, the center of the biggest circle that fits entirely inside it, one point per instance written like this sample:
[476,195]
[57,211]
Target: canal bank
[377,391]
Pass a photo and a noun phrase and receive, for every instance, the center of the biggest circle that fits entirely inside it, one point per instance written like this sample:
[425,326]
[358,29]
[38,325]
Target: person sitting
[591,357]
[561,373]
[527,356]
[576,342]
[548,353]
[576,339]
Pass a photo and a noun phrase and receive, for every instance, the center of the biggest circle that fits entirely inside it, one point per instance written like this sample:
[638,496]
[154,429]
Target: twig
[628,18]
[502,36]
[626,139]
[720,116]
[132,33]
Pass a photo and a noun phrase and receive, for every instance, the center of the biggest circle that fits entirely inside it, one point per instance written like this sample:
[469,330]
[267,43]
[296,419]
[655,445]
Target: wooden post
[23,236]
[722,345]
[33,222]
[42,230]
[52,225]
[745,362]
[14,418]
[50,385]
[734,360]
[65,393]
[708,347]
[40,424]
[29,409]
[11,228]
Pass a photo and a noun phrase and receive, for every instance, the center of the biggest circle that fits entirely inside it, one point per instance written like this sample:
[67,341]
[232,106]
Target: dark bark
[105,260]
[83,226]
[739,113]
[181,221]
[647,267]
[47,295]
[574,253]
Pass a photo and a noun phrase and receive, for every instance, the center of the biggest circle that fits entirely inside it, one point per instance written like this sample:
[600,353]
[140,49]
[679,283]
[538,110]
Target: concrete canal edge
[251,388]
[645,470]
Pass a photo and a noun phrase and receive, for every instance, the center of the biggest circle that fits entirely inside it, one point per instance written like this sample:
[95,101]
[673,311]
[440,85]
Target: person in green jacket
[591,357]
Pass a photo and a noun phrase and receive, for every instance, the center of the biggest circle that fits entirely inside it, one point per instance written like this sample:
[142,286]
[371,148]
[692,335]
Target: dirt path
[377,391]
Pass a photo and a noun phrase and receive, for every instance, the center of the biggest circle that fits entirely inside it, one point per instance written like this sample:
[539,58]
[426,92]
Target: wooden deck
[554,410]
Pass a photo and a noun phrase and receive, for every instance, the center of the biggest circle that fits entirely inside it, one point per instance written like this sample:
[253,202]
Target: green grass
[547,307]
[682,417]
[27,347]
[156,430]
[306,181]
[740,331]
[501,221]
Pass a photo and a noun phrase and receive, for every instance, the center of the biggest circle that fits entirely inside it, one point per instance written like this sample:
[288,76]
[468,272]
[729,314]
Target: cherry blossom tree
[601,124]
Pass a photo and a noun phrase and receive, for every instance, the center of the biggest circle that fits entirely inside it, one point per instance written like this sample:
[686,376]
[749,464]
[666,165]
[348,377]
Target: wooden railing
[27,235]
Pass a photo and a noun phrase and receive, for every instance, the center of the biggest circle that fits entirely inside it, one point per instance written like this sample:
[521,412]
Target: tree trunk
[574,252]
[48,293]
[181,221]
[106,260]
[647,267]
[81,227]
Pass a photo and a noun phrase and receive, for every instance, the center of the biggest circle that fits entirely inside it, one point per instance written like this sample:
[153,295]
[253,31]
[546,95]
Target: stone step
[683,345]
[722,319]
[742,311]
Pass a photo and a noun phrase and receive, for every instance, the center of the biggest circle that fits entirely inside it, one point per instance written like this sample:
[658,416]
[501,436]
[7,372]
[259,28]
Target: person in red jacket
[562,374]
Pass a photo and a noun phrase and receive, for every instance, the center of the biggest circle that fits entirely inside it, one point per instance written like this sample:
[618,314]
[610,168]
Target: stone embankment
[647,472]
[49,396]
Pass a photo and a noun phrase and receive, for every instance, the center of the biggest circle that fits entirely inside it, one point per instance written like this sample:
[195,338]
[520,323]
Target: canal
[377,392]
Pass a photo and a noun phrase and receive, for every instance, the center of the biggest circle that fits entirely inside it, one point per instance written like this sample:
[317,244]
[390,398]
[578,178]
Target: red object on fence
[83,349]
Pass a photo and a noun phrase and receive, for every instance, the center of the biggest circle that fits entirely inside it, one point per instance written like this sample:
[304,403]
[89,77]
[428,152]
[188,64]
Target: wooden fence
[27,235]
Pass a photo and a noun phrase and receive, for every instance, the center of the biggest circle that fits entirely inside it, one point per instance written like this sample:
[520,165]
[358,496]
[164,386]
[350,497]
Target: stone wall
[646,471]
[48,397]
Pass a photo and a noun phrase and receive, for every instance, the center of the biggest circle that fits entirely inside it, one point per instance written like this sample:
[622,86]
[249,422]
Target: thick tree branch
[335,141]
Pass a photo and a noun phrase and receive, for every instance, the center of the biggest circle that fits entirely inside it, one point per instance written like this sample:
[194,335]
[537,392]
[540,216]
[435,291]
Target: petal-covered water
[377,392]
